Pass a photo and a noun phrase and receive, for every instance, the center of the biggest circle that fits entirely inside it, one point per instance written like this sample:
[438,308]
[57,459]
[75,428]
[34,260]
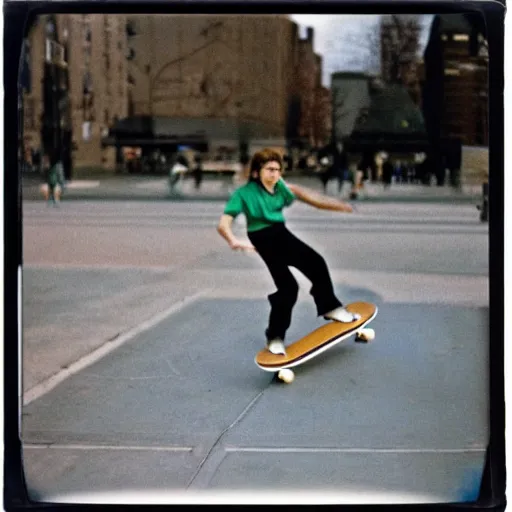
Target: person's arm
[320,201]
[224,229]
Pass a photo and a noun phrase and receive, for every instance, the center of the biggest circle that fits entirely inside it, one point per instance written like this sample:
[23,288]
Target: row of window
[88,95]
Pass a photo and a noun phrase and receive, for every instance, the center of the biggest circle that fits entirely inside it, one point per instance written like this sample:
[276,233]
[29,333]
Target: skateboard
[319,341]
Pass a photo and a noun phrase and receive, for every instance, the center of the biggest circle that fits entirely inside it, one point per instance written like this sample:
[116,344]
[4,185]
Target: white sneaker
[276,346]
[342,315]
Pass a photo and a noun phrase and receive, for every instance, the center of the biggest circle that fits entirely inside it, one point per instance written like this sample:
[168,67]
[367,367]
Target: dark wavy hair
[262,157]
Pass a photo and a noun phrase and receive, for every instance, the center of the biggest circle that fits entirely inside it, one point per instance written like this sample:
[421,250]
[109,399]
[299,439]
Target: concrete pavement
[177,408]
[183,409]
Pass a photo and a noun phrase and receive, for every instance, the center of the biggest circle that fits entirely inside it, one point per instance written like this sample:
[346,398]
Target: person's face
[270,173]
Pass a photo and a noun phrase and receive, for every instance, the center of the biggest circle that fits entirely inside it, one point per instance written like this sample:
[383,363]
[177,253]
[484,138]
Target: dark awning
[153,141]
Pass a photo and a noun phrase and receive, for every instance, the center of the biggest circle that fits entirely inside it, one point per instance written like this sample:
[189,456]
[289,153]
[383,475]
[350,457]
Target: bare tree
[363,49]
[399,46]
[387,48]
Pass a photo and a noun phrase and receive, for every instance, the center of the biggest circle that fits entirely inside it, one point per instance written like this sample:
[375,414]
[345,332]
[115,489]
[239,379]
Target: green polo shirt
[260,207]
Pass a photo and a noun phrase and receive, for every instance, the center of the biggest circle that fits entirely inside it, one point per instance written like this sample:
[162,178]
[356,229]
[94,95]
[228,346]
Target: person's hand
[346,208]
[241,245]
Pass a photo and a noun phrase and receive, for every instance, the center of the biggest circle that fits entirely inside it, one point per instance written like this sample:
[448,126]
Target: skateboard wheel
[286,375]
[365,335]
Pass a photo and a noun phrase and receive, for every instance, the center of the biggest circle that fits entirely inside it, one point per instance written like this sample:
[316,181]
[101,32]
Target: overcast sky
[343,40]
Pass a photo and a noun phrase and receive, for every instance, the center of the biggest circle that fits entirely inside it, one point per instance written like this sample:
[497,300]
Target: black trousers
[280,249]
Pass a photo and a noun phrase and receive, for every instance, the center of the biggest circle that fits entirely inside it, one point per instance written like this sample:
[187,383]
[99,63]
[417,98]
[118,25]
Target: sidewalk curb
[103,195]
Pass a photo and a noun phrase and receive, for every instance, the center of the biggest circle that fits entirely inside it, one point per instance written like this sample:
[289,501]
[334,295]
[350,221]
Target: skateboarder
[262,200]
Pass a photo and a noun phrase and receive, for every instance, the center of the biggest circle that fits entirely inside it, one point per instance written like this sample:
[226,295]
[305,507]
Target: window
[87,83]
[86,131]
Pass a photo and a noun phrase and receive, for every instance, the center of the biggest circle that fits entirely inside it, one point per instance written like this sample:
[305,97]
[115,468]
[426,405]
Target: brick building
[322,118]
[456,79]
[232,71]
[233,79]
[93,52]
[315,103]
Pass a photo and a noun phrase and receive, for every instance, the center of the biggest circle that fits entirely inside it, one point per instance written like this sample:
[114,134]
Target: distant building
[350,96]
[322,120]
[455,85]
[392,123]
[225,77]
[315,115]
[231,79]
[371,116]
[94,47]
[222,82]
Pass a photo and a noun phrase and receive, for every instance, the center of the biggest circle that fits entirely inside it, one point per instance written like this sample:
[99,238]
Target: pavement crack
[219,437]
[171,367]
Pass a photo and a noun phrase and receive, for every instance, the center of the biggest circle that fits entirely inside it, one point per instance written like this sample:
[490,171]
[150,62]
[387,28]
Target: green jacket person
[262,201]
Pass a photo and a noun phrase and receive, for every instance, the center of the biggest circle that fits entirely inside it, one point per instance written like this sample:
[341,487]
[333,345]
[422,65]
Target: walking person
[176,172]
[198,172]
[387,172]
[262,201]
[53,180]
[339,165]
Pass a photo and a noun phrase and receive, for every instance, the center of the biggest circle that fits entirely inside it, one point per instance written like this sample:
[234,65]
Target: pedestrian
[387,172]
[333,163]
[198,172]
[340,166]
[324,172]
[53,180]
[36,160]
[262,200]
[177,170]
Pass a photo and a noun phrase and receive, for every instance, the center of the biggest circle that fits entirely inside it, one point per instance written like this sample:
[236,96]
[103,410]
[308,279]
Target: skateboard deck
[317,341]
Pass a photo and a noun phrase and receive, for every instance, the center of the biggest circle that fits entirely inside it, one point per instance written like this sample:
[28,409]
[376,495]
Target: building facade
[455,86]
[234,69]
[315,106]
[233,79]
[351,100]
[239,75]
[94,50]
